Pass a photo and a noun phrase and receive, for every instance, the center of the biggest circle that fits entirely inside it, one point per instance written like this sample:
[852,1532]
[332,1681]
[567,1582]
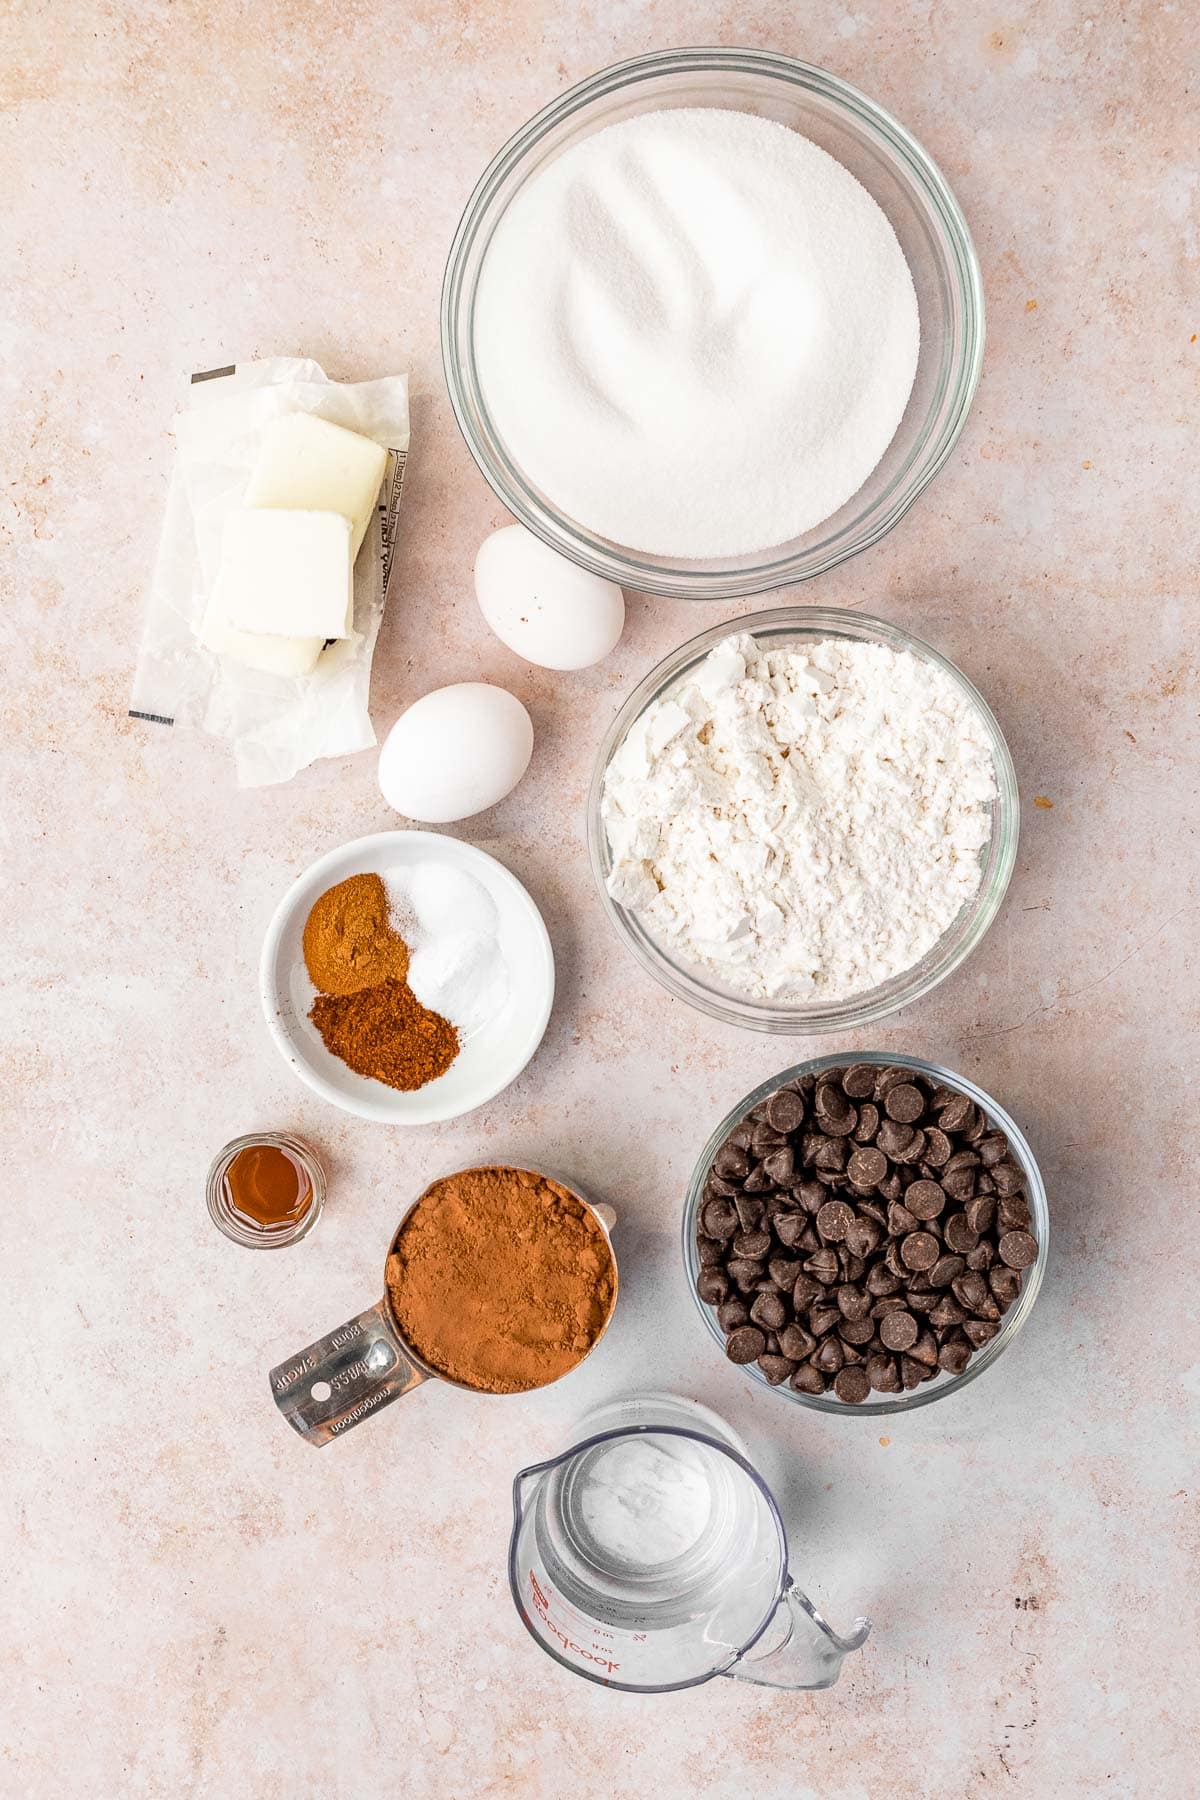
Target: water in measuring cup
[643,1532]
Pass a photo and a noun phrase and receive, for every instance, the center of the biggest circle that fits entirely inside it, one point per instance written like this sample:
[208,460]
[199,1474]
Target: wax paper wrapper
[276,726]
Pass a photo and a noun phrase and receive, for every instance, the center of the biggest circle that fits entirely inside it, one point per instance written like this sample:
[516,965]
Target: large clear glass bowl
[787,627]
[1017,1313]
[923,212]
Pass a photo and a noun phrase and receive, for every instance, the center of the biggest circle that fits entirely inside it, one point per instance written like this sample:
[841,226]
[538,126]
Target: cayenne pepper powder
[501,1279]
[386,1033]
[365,1011]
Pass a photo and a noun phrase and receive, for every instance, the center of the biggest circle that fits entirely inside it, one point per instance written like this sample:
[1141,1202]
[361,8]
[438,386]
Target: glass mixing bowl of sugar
[793,628]
[906,184]
[1035,1193]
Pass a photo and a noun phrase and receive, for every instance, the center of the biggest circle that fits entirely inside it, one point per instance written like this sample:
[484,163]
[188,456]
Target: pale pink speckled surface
[193,1602]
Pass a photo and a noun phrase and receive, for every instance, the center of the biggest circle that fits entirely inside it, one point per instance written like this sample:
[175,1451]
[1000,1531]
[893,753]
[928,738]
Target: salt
[720,341]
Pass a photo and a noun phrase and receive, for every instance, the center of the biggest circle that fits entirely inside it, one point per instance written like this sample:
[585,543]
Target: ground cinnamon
[386,1033]
[501,1279]
[349,943]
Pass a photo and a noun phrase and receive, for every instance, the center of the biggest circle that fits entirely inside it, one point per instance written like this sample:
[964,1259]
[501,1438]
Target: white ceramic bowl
[488,1060]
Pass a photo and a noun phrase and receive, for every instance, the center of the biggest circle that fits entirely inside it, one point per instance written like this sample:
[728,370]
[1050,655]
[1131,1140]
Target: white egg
[455,752]
[542,606]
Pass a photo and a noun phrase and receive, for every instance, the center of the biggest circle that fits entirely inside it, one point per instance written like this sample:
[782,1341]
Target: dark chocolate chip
[904,1103]
[1005,1285]
[852,1302]
[785,1110]
[868,1123]
[888,1078]
[924,1199]
[919,1250]
[776,1368]
[720,1219]
[1018,1249]
[808,1380]
[833,1220]
[780,1165]
[769,1311]
[754,1244]
[796,1342]
[732,1313]
[868,1166]
[898,1330]
[852,1385]
[981,1213]
[750,1211]
[834,1111]
[822,1319]
[859,1080]
[938,1148]
[829,1356]
[746,1344]
[863,1235]
[856,1331]
[958,1234]
[744,1272]
[1012,1213]
[883,1374]
[956,1113]
[954,1355]
[980,1331]
[805,1292]
[732,1163]
[822,1265]
[787,1227]
[944,1271]
[712,1285]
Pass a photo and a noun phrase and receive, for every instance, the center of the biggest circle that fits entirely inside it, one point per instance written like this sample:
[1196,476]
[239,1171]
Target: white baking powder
[803,824]
[696,332]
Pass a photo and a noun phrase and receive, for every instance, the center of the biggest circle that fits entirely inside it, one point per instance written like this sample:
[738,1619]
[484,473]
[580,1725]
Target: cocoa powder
[501,1279]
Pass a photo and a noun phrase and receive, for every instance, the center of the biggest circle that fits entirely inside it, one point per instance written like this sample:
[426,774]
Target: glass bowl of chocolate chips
[866,1234]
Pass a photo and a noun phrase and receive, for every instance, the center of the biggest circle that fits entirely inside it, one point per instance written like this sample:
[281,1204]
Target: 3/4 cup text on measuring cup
[541,1605]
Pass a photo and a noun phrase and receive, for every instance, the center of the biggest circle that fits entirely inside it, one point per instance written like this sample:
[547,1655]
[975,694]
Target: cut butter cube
[285,573]
[287,656]
[308,463]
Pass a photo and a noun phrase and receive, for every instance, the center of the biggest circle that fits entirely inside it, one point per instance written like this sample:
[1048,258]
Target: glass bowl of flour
[711,322]
[802,820]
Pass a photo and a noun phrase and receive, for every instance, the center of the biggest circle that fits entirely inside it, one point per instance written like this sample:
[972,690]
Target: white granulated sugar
[803,824]
[696,333]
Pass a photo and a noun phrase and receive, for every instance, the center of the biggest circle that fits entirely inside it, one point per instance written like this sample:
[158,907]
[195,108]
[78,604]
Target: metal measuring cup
[365,1364]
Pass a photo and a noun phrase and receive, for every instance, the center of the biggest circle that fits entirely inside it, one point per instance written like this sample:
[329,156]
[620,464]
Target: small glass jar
[238,1228]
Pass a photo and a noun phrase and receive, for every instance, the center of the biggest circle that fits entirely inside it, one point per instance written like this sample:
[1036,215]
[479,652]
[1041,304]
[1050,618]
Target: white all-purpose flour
[696,333]
[804,824]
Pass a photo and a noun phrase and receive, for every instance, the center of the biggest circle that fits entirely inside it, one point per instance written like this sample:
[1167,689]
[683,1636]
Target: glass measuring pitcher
[651,1556]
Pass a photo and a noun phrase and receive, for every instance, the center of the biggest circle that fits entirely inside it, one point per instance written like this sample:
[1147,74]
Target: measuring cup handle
[344,1377]
[810,1654]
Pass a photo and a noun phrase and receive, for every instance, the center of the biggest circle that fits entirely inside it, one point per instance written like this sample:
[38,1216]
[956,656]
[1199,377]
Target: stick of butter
[287,656]
[286,573]
[307,463]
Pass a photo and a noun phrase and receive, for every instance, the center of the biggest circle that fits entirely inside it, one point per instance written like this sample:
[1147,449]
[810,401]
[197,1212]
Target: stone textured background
[194,1603]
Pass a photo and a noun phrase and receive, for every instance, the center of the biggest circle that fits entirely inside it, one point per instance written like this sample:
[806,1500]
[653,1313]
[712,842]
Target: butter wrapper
[276,725]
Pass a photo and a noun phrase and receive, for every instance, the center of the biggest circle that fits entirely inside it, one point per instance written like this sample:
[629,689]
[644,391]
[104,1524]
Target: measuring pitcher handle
[809,1656]
[344,1377]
